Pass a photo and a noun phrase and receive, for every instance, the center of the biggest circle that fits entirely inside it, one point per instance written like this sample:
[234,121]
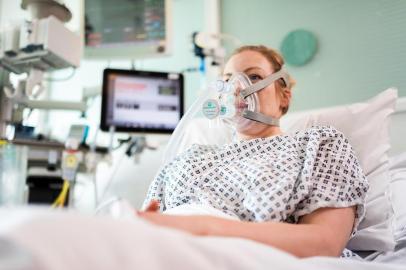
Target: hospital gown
[279,178]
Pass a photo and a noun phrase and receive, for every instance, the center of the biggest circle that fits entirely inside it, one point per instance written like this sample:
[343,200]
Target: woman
[302,193]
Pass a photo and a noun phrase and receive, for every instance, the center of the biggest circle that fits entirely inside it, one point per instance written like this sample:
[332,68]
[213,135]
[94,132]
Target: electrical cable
[112,129]
[96,192]
[61,199]
[27,117]
[189,69]
[105,204]
[93,166]
[111,179]
[62,79]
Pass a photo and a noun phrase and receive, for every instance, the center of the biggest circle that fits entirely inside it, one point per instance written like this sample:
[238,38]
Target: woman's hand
[197,224]
[153,206]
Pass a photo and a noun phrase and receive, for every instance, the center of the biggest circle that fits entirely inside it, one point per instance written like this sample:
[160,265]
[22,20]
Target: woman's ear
[286,97]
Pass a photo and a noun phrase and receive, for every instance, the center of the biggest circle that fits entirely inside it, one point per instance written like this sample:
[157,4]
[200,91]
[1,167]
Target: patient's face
[256,67]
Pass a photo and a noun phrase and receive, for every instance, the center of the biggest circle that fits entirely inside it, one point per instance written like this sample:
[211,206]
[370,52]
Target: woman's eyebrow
[245,71]
[252,68]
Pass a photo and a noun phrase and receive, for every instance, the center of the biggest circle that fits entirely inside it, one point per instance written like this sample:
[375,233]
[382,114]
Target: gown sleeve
[333,174]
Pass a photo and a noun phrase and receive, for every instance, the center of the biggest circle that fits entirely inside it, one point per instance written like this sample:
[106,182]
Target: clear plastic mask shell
[241,81]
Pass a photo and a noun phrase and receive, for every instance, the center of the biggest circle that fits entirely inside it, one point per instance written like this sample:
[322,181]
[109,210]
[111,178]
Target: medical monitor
[127,28]
[141,101]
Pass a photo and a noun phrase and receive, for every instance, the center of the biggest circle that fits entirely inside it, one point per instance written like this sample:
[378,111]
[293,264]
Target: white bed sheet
[73,241]
[397,189]
[398,256]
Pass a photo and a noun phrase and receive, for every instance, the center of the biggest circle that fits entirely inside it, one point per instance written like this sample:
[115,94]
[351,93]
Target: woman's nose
[237,91]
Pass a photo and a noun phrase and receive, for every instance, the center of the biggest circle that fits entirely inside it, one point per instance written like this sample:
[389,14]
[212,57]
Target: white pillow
[397,189]
[366,125]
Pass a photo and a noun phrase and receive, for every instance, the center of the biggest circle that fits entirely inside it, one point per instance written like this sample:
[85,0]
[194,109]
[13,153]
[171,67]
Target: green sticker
[211,108]
[223,110]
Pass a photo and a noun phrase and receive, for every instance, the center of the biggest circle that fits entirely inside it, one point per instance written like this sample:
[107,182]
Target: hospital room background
[359,52]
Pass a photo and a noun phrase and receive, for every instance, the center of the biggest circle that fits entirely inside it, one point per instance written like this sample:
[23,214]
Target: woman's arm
[324,232]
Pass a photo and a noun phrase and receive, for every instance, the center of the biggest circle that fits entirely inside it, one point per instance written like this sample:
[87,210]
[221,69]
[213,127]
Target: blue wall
[362,44]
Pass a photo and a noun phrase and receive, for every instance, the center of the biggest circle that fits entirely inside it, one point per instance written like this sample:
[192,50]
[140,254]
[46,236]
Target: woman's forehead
[247,60]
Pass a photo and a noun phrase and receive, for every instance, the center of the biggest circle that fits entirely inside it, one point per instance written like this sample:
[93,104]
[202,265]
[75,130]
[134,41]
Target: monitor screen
[127,28]
[141,101]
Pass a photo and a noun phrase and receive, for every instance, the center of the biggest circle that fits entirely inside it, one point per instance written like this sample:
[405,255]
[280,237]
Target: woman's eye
[254,77]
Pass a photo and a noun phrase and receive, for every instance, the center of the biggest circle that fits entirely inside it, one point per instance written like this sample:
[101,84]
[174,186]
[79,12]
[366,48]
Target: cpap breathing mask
[236,101]
[233,105]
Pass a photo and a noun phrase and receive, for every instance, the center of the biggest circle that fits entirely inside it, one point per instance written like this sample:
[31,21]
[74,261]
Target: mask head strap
[259,117]
[281,74]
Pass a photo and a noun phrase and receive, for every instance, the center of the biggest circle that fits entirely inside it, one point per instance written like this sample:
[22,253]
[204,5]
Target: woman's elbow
[330,245]
[322,244]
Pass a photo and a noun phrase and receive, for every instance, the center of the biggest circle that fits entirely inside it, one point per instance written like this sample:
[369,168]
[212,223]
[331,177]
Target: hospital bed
[38,239]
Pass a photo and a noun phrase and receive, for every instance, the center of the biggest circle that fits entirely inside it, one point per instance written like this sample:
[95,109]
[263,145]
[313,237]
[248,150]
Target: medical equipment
[34,47]
[208,45]
[71,158]
[28,50]
[233,104]
[13,163]
[141,101]
[116,207]
[45,186]
[45,8]
[79,132]
[51,172]
[210,48]
[38,46]
[137,29]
